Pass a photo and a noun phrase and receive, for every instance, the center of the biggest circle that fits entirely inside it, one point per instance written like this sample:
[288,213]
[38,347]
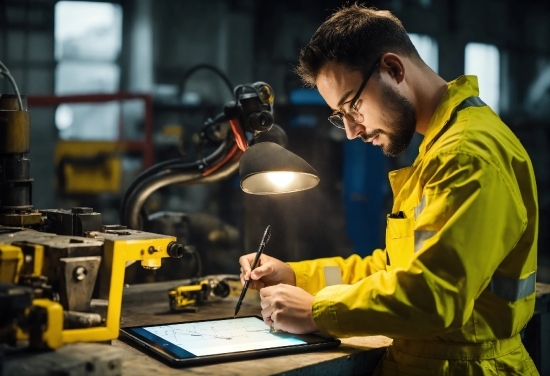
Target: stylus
[265,239]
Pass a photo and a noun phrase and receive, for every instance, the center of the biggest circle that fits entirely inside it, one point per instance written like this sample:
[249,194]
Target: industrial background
[155,73]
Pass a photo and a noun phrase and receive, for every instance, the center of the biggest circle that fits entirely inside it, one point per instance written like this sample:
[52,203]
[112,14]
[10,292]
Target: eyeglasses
[337,117]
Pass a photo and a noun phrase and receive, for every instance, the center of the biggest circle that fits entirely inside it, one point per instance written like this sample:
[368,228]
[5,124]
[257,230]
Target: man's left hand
[288,308]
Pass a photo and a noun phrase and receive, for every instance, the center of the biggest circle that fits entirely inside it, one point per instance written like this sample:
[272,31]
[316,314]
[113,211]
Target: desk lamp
[268,168]
[265,167]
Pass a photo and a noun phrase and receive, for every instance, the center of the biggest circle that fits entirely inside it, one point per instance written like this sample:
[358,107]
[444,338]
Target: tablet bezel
[314,342]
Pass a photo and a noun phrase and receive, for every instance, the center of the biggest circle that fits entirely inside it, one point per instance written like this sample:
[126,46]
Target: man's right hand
[268,272]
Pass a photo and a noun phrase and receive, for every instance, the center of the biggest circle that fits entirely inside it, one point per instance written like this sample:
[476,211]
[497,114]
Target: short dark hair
[356,36]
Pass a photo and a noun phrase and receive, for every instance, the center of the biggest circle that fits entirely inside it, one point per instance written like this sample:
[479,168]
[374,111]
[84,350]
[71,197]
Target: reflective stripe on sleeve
[513,289]
[418,209]
[420,236]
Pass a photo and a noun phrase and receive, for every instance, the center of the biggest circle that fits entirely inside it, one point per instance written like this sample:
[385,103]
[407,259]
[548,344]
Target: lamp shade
[267,168]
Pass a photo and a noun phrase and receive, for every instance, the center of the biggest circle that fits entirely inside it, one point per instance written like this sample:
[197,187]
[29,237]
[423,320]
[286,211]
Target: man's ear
[394,66]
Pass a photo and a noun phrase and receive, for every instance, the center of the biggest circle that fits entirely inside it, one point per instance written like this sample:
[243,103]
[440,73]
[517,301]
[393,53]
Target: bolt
[80,273]
[152,250]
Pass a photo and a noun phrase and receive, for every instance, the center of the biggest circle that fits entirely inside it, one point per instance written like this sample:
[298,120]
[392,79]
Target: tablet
[211,341]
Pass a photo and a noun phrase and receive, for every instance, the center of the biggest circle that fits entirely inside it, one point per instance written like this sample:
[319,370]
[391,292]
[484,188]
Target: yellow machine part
[144,247]
[38,260]
[183,296]
[52,335]
[11,261]
[118,250]
[88,167]
[36,253]
[52,330]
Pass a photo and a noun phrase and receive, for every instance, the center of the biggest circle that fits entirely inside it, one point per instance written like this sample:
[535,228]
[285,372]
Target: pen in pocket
[399,214]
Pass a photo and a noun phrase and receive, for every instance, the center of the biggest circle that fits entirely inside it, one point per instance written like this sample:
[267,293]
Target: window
[88,40]
[427,49]
[483,60]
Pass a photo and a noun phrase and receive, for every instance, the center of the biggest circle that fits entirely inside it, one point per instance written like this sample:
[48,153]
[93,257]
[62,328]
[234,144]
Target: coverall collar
[457,90]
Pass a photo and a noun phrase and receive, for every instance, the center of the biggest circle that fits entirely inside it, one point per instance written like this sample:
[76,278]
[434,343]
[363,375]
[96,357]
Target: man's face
[387,117]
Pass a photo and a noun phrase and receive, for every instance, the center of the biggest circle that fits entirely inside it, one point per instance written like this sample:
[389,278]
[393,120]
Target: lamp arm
[130,216]
[192,70]
[252,111]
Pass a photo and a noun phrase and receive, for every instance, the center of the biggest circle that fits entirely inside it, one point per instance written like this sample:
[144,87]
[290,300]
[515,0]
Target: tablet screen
[214,338]
[217,337]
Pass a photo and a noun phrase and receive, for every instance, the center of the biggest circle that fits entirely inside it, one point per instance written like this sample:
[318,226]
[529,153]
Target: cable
[5,71]
[240,138]
[130,216]
[205,166]
[188,171]
[234,151]
[195,68]
[191,250]
[175,164]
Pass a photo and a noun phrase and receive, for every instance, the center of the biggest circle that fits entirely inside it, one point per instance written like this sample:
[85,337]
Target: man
[455,285]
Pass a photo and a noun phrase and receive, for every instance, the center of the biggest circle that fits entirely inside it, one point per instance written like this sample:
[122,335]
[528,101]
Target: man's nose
[353,130]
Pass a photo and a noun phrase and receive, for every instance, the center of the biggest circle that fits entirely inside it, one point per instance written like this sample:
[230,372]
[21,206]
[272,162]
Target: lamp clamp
[253,107]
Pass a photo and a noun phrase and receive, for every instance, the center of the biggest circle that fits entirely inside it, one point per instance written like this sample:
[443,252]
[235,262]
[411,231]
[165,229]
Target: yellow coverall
[456,283]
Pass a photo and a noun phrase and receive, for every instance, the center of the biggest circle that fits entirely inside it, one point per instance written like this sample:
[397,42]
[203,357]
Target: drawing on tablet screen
[216,337]
[207,331]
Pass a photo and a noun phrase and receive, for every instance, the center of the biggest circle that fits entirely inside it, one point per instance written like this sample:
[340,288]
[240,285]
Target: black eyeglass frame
[339,114]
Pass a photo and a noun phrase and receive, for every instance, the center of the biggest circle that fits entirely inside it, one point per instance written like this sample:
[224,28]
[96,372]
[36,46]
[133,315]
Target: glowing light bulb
[281,178]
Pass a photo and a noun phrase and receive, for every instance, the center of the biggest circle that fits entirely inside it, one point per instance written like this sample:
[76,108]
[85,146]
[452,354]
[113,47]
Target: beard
[400,119]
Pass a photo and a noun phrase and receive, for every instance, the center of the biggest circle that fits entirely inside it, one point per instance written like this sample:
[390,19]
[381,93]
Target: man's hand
[288,308]
[268,272]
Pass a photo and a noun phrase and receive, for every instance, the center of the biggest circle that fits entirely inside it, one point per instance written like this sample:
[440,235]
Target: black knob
[175,250]
[222,289]
[260,121]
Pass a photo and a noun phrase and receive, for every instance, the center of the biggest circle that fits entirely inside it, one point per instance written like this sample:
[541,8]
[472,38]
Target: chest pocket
[399,242]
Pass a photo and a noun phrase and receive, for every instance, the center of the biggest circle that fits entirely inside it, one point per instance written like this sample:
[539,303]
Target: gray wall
[187,33]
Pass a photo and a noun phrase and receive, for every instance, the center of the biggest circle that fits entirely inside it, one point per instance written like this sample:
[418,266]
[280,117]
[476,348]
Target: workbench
[148,304]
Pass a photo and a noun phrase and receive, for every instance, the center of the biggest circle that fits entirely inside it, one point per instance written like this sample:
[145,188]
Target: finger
[242,276]
[267,312]
[253,285]
[246,261]
[267,291]
[261,271]
[256,285]
[276,323]
[264,303]
[273,316]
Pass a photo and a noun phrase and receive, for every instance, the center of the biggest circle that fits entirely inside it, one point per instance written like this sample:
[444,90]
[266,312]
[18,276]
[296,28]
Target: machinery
[62,271]
[67,289]
[197,293]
